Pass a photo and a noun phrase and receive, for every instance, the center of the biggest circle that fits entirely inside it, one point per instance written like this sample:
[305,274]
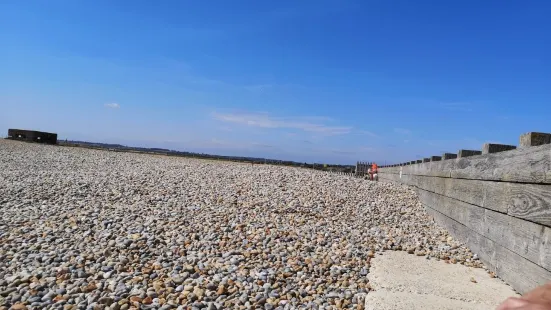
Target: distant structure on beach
[32,136]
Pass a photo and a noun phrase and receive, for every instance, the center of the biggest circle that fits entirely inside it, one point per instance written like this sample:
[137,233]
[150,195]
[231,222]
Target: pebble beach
[91,229]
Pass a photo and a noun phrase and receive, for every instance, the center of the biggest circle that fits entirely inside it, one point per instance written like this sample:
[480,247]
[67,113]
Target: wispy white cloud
[264,120]
[402,131]
[112,105]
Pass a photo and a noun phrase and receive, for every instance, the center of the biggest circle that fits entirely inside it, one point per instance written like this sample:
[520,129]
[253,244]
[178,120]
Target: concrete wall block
[534,139]
[448,156]
[489,148]
[467,153]
[32,136]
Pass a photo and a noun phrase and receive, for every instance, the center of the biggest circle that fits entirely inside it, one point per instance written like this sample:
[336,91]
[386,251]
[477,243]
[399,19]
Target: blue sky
[325,81]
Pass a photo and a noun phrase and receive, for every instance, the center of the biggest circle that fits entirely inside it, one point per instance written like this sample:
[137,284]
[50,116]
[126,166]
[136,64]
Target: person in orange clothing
[373,173]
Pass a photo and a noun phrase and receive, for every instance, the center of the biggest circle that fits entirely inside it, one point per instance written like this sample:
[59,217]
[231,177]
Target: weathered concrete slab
[467,153]
[405,281]
[449,156]
[489,148]
[534,139]
[32,136]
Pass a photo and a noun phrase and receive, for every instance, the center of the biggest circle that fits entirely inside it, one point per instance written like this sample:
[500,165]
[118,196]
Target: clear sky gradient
[325,81]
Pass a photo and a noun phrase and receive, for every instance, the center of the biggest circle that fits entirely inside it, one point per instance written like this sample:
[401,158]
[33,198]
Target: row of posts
[526,140]
[362,167]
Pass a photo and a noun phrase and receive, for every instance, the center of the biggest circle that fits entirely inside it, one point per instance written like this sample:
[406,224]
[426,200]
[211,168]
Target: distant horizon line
[205,154]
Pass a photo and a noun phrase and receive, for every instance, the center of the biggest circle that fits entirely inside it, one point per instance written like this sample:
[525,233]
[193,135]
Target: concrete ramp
[405,281]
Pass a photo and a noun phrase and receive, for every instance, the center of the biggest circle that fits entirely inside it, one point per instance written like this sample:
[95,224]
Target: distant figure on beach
[373,172]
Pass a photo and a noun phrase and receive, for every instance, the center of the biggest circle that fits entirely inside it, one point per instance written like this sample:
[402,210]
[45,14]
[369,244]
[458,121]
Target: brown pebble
[88,288]
[147,300]
[19,306]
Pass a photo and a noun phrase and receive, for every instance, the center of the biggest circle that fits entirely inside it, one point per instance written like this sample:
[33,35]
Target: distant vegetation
[160,151]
